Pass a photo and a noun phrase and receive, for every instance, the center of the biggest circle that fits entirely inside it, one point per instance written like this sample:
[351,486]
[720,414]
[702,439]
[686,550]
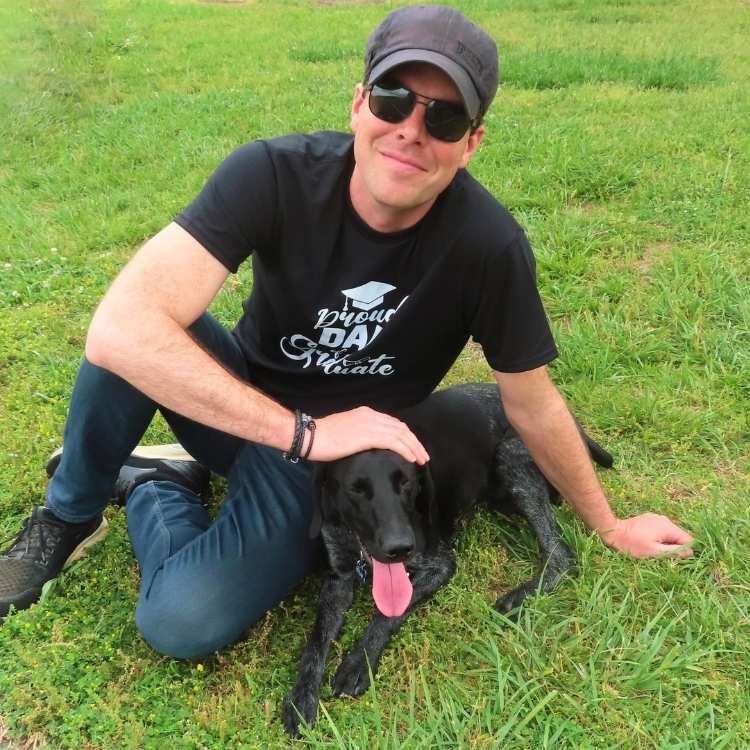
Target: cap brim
[454,71]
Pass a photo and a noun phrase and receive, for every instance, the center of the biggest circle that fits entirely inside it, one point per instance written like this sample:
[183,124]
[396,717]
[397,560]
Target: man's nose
[413,128]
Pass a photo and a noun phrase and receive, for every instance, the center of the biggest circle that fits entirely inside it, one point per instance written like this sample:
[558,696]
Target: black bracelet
[302,422]
[311,427]
[293,453]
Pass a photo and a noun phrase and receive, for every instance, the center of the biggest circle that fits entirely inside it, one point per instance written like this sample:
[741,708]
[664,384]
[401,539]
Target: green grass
[620,141]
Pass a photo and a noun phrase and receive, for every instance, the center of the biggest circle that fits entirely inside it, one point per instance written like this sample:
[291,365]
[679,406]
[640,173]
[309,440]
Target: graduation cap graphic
[367,296]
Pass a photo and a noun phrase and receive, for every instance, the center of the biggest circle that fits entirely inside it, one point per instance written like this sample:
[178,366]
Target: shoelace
[36,535]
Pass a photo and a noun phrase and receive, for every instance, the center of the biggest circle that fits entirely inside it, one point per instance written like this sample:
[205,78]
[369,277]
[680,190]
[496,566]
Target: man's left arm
[538,412]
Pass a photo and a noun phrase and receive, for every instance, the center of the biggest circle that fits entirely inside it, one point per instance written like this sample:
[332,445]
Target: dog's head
[389,504]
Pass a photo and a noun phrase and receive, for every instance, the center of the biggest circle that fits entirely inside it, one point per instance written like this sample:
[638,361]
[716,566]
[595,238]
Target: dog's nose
[399,549]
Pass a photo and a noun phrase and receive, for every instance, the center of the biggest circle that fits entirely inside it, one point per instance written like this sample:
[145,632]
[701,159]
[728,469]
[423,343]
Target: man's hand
[648,535]
[348,432]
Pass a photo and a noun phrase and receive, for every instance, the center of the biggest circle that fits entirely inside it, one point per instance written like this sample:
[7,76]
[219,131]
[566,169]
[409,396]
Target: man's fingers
[415,452]
[684,551]
[676,542]
[415,447]
[362,429]
[673,534]
[649,535]
[675,550]
[404,442]
[680,536]
[391,433]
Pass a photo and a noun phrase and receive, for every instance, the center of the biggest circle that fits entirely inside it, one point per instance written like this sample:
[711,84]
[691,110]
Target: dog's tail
[600,455]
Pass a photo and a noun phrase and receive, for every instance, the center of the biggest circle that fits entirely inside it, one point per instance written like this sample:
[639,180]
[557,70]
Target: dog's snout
[399,553]
[397,549]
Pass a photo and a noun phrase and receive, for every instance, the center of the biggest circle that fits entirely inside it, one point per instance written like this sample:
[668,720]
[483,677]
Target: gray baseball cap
[443,37]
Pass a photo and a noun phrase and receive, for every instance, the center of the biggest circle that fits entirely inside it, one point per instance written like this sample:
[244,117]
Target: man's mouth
[391,588]
[403,162]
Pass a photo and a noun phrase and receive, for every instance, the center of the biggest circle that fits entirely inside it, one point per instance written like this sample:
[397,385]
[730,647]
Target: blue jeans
[203,583]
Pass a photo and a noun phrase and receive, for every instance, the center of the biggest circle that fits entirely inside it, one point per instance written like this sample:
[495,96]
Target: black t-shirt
[341,315]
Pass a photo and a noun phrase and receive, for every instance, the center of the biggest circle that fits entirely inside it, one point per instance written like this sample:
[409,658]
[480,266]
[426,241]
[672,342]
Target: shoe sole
[94,538]
[80,551]
[167,452]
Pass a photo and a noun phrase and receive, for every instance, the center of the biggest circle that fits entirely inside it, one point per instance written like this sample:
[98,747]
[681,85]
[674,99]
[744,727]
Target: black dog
[385,517]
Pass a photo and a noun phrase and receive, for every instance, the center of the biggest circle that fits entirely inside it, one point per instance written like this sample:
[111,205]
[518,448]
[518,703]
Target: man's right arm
[139,333]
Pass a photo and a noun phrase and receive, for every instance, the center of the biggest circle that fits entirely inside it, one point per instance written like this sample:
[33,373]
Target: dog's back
[461,428]
[468,466]
[470,408]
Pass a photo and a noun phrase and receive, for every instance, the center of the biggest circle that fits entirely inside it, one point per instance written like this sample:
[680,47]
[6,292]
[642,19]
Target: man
[374,258]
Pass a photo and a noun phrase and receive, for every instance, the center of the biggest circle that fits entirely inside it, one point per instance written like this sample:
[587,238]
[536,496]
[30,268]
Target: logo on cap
[471,58]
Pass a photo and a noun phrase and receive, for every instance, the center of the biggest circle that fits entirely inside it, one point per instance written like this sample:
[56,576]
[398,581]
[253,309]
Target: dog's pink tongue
[391,587]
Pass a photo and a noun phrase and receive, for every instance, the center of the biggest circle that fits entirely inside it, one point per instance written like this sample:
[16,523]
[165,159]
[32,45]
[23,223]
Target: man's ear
[472,144]
[360,94]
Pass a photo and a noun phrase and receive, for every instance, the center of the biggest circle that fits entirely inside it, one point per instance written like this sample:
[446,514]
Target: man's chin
[402,198]
[392,205]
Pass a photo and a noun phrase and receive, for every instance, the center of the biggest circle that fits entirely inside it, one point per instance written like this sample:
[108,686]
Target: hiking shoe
[155,463]
[44,547]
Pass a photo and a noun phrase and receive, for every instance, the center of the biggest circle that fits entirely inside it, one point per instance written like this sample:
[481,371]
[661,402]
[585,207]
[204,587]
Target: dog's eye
[404,483]
[359,488]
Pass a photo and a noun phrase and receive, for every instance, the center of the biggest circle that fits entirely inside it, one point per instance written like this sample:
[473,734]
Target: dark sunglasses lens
[391,104]
[446,121]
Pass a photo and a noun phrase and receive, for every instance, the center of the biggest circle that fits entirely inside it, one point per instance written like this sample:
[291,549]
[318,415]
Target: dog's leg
[428,575]
[301,705]
[530,494]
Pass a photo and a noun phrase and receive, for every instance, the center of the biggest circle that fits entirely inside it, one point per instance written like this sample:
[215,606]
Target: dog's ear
[324,492]
[426,500]
[318,488]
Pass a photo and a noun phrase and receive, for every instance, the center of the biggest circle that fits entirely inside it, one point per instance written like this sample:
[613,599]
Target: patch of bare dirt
[681,491]
[652,254]
[730,469]
[35,742]
[721,579]
[588,209]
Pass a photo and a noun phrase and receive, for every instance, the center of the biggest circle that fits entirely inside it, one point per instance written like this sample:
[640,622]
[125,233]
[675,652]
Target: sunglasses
[446,121]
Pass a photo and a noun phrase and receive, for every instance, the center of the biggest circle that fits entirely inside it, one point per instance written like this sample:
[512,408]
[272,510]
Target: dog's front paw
[300,707]
[509,605]
[352,677]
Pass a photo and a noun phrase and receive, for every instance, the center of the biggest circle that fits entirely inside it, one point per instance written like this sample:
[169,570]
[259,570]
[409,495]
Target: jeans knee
[185,630]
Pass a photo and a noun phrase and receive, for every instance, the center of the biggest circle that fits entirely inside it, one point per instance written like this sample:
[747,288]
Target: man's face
[400,168]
